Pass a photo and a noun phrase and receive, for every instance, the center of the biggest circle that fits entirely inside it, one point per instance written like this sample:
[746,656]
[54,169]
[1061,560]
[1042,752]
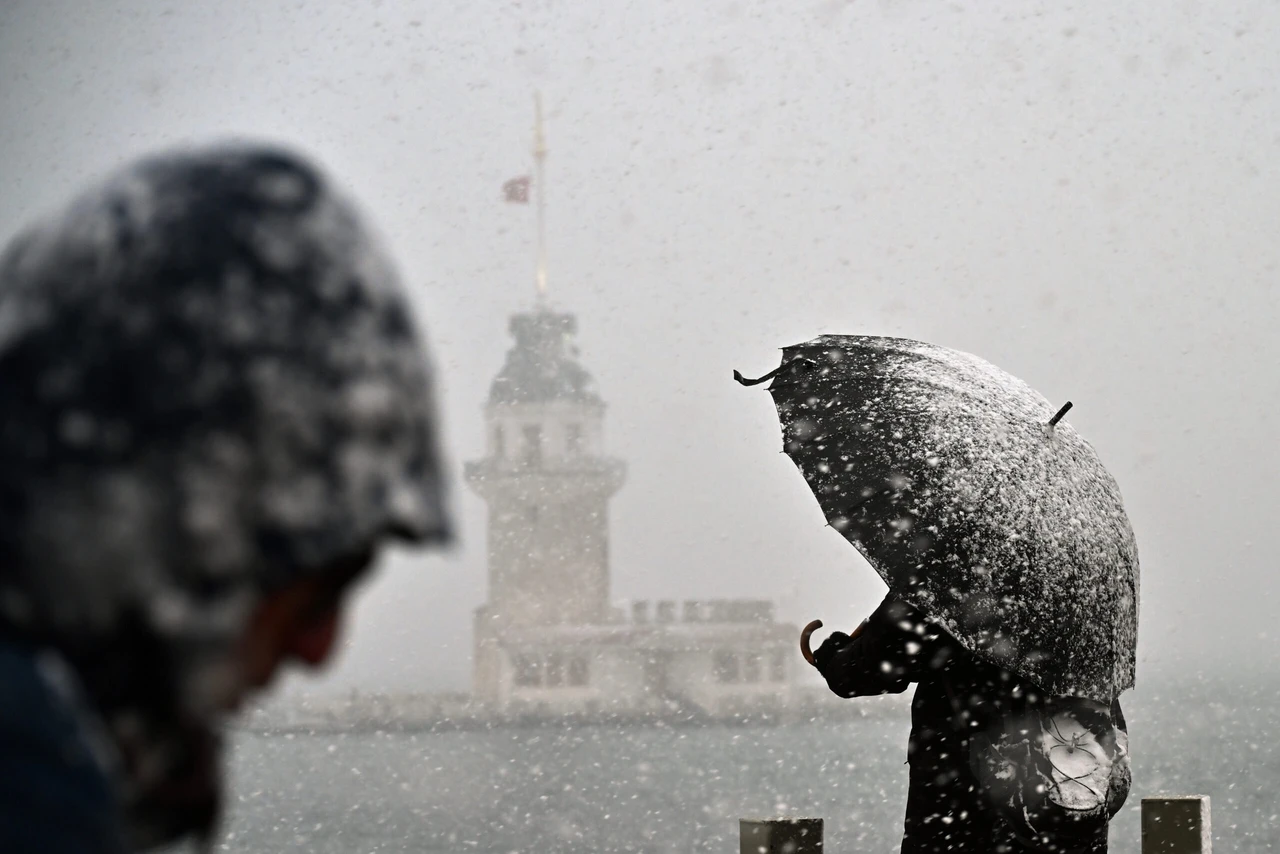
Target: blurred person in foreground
[214,409]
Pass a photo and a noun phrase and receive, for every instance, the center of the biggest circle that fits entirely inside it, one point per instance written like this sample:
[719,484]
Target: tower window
[573,438]
[555,670]
[532,443]
[779,666]
[527,675]
[751,667]
[577,671]
[725,665]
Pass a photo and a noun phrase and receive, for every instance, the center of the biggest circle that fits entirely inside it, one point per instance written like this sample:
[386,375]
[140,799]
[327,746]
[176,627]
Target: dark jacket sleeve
[54,798]
[895,647]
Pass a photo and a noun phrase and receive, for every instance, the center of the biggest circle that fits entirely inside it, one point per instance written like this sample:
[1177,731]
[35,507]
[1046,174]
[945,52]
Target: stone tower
[547,483]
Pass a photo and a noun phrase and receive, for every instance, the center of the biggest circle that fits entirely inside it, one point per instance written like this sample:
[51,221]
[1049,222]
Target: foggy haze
[1085,197]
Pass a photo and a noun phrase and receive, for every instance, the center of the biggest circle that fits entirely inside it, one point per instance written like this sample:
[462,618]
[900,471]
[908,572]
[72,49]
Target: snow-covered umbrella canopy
[972,502]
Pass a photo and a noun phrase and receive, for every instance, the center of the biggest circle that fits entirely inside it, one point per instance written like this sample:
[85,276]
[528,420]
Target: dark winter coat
[897,646]
[56,796]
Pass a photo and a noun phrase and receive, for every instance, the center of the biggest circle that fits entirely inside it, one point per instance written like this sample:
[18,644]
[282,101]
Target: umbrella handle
[804,641]
[813,627]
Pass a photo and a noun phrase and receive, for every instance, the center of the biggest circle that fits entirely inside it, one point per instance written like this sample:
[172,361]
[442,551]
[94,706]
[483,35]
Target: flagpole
[540,159]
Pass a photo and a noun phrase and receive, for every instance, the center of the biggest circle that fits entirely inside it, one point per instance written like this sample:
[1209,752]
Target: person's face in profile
[298,624]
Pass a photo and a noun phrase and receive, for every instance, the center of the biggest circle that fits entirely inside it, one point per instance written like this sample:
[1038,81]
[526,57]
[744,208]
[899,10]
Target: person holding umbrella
[214,412]
[1013,586]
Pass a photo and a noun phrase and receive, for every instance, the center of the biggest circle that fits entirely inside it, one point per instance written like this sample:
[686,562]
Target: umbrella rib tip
[1066,407]
[737,375]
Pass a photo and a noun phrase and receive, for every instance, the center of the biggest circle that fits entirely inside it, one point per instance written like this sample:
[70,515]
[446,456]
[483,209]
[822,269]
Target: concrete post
[780,835]
[1176,825]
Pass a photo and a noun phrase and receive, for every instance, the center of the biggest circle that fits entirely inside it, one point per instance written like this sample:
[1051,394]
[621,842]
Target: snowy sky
[1082,195]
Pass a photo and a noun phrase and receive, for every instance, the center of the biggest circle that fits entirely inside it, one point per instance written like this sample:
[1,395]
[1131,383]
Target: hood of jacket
[210,386]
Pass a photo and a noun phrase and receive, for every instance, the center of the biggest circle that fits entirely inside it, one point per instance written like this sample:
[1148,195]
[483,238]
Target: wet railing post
[1176,825]
[780,835]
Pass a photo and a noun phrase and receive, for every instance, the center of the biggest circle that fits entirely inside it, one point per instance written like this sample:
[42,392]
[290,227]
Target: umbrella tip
[1066,407]
[740,378]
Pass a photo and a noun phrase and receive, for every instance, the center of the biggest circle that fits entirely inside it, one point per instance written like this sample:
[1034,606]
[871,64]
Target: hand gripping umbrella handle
[813,627]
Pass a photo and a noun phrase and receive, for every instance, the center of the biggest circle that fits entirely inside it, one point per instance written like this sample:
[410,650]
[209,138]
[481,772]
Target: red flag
[517,190]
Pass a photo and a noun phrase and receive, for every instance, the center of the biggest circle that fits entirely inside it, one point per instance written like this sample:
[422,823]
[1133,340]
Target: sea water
[659,789]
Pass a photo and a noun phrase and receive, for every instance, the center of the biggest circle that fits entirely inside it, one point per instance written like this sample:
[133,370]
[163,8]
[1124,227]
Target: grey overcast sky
[1086,194]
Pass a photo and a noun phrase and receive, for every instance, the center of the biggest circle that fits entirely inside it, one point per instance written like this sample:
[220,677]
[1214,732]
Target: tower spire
[539,187]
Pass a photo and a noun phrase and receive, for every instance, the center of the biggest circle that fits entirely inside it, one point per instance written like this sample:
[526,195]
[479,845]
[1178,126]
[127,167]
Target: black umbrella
[973,501]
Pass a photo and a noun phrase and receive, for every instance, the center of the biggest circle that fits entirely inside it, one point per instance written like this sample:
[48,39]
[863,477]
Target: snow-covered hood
[210,385]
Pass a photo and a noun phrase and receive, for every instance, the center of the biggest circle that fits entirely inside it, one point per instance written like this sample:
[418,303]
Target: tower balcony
[579,475]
